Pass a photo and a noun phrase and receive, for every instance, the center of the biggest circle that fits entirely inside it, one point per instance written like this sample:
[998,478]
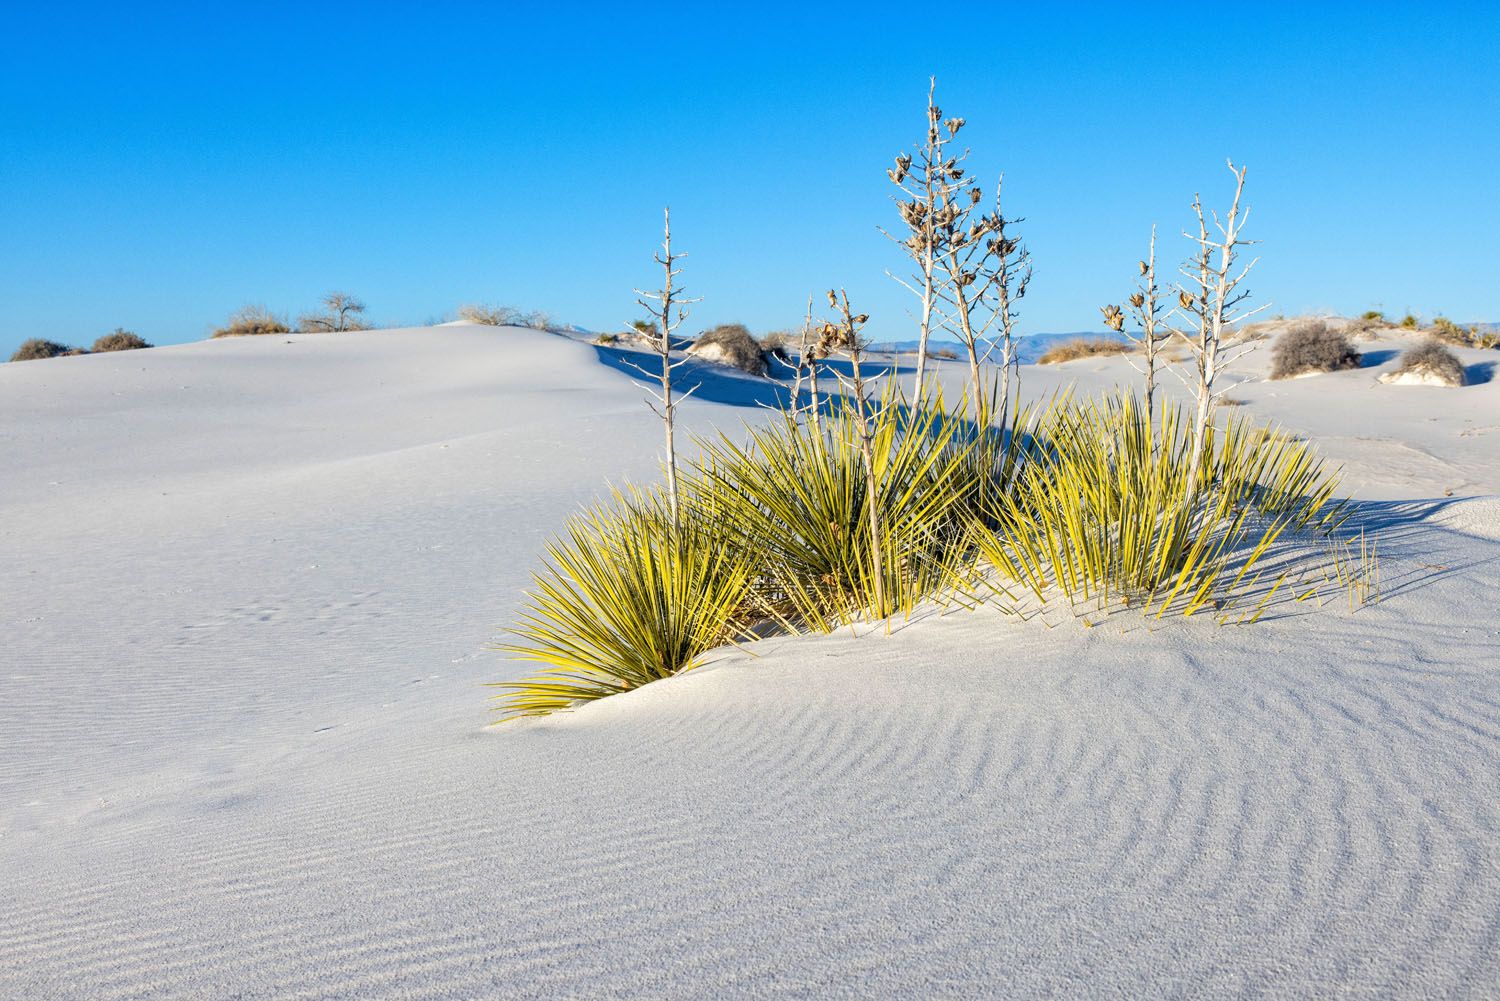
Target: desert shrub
[341,312]
[1410,322]
[120,340]
[1447,330]
[626,598]
[1107,508]
[947,354]
[505,316]
[1373,315]
[779,342]
[490,316]
[38,347]
[606,340]
[798,499]
[252,321]
[731,344]
[1082,347]
[1312,346]
[1430,358]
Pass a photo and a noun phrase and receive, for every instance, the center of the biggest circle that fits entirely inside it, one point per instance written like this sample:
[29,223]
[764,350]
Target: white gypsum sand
[244,754]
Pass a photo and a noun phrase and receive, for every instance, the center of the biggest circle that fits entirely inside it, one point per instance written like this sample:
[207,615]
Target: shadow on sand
[720,384]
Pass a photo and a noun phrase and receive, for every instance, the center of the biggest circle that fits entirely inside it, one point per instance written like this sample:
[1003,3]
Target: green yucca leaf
[1104,508]
[626,598]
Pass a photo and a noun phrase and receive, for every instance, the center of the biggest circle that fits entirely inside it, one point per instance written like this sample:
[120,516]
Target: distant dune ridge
[250,583]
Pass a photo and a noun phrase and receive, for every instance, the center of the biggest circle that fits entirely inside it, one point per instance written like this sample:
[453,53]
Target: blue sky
[160,166]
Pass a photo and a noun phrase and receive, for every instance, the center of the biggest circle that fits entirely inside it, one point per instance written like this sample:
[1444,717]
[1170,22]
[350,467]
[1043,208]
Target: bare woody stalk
[1145,310]
[1005,271]
[807,362]
[925,185]
[661,305]
[842,333]
[1209,298]
[984,272]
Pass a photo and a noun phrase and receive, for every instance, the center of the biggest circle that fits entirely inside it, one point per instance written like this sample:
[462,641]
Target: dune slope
[244,753]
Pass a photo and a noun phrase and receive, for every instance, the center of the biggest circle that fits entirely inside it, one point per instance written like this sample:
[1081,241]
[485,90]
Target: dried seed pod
[1144,267]
[1184,300]
[833,299]
[954,124]
[861,319]
[956,173]
[1114,319]
[934,113]
[1138,300]
[974,196]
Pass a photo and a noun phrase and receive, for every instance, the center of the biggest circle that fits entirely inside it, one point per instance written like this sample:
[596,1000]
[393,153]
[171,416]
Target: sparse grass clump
[1083,347]
[504,316]
[1431,362]
[1109,508]
[731,344]
[120,340]
[253,321]
[37,347]
[799,499]
[1312,346]
[631,595]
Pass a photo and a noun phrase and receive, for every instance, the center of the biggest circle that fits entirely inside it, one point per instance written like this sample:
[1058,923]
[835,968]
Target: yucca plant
[1107,507]
[797,497]
[629,596]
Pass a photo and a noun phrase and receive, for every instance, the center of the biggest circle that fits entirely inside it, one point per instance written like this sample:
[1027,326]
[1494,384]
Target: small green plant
[37,348]
[120,340]
[631,595]
[1109,508]
[1410,321]
[1356,570]
[798,497]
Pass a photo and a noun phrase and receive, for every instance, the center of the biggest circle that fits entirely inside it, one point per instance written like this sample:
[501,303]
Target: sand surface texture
[243,752]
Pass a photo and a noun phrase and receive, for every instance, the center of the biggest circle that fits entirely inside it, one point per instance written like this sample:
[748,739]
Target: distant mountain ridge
[1028,348]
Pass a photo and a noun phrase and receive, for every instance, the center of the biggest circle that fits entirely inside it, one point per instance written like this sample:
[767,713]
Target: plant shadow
[1374,359]
[1479,373]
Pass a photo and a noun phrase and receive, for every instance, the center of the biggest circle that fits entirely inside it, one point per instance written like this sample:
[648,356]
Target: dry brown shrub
[1083,347]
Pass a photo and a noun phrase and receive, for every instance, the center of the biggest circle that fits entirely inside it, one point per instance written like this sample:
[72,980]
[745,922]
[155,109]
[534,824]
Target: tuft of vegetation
[505,316]
[1410,321]
[1311,346]
[800,498]
[253,321]
[120,340]
[1430,359]
[781,345]
[607,340]
[731,344]
[1373,315]
[1109,508]
[635,593]
[37,347]
[341,312]
[1083,347]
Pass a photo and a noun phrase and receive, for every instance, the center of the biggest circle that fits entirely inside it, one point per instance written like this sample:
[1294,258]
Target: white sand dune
[243,753]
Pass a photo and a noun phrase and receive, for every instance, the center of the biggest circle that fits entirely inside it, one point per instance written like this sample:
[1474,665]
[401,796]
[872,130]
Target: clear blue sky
[160,166]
